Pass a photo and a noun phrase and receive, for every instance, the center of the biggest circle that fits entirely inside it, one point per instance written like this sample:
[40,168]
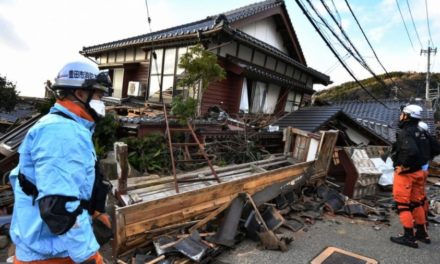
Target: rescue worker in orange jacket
[409,155]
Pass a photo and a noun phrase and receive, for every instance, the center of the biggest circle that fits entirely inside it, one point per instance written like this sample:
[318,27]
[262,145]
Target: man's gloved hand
[102,227]
[102,217]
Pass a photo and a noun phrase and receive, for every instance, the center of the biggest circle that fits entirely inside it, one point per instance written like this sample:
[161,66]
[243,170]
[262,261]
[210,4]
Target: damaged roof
[308,119]
[371,115]
[373,112]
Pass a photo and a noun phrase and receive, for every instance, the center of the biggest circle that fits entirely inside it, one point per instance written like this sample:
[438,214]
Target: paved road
[352,235]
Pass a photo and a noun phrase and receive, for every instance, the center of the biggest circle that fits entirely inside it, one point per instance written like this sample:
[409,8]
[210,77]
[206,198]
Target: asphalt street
[353,235]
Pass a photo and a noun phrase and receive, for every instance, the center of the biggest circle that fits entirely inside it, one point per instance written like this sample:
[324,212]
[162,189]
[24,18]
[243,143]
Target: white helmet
[414,111]
[82,75]
[423,126]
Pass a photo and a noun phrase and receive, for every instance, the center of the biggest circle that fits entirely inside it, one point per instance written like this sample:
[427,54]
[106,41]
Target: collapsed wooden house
[266,71]
[153,207]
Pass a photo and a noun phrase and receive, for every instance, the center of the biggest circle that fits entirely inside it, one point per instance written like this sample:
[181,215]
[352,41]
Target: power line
[414,25]
[153,55]
[336,64]
[369,44]
[359,57]
[427,21]
[311,20]
[337,13]
[406,28]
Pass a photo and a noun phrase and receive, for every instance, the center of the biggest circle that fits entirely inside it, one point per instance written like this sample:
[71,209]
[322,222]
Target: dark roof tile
[202,25]
[308,119]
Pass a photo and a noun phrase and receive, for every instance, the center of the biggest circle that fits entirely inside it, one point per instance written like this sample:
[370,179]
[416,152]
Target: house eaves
[241,36]
[185,30]
[263,74]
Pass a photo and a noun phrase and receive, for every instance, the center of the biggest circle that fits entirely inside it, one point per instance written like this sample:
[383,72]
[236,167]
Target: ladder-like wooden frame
[198,143]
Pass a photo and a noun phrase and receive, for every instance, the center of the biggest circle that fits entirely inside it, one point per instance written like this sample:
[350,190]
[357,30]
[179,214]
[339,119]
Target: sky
[38,37]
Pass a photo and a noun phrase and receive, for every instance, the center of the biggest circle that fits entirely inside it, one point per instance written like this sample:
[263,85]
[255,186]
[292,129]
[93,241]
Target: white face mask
[98,106]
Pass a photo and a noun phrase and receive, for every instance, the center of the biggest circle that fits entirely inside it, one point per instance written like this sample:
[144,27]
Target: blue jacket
[58,156]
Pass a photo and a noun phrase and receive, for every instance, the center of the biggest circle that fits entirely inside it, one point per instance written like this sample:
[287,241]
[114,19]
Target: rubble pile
[270,217]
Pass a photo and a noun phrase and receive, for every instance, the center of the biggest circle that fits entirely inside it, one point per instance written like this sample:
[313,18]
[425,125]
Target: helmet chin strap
[86,104]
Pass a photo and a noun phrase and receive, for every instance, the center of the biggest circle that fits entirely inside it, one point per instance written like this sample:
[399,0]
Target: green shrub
[149,154]
[104,136]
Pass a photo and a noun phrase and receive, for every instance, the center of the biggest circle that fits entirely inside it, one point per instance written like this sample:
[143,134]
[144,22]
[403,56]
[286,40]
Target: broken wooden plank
[176,215]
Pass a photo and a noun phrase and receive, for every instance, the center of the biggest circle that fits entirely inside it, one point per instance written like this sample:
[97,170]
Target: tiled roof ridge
[253,5]
[142,36]
[258,7]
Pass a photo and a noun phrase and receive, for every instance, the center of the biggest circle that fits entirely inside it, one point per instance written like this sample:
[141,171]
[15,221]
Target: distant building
[256,44]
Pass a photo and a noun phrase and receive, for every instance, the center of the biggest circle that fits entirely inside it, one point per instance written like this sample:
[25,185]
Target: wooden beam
[121,153]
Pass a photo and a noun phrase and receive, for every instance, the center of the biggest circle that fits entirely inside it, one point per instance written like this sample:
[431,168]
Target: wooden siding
[225,94]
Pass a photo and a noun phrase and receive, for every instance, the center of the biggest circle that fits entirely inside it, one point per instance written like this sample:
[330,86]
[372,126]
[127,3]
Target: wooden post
[287,140]
[121,154]
[325,152]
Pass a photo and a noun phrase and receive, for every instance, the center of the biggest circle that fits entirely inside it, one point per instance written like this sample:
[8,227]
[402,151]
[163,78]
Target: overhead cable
[369,44]
[153,54]
[356,56]
[414,24]
[311,20]
[427,21]
[337,13]
[406,28]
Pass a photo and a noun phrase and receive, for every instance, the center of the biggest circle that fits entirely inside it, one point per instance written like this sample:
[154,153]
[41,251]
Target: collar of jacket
[76,109]
[81,120]
[408,123]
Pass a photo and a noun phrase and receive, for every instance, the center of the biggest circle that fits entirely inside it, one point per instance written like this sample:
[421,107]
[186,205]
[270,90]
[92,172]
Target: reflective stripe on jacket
[58,156]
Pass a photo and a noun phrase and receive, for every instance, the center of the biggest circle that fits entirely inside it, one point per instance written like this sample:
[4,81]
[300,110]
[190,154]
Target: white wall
[265,30]
[355,136]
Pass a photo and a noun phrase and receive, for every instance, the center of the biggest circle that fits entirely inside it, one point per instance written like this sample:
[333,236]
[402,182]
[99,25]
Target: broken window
[264,97]
[118,78]
[258,95]
[271,100]
[163,71]
[293,101]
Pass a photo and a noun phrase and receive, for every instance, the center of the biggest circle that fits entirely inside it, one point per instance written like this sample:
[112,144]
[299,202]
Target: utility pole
[428,77]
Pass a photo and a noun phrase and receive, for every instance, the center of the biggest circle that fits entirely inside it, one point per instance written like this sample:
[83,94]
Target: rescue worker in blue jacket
[54,182]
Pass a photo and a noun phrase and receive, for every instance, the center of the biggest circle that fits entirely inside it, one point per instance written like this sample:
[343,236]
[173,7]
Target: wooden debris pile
[206,216]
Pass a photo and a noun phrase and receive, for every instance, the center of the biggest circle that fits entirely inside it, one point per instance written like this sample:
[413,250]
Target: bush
[105,134]
[149,154]
[183,109]
[8,94]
